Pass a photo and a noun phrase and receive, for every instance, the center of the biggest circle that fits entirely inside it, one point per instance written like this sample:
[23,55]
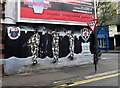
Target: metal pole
[95,42]
[95,9]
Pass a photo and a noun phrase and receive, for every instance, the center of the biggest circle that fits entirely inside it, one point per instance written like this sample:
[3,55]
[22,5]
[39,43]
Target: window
[118,28]
[102,43]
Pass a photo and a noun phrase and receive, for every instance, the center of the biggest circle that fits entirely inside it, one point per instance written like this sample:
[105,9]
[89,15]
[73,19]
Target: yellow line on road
[90,80]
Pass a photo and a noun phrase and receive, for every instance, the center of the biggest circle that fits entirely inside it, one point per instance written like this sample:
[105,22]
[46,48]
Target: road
[113,81]
[107,66]
[104,80]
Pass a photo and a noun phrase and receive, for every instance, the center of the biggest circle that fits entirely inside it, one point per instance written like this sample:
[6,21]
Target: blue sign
[103,35]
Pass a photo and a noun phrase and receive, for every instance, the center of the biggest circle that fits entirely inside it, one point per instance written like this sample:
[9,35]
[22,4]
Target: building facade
[61,26]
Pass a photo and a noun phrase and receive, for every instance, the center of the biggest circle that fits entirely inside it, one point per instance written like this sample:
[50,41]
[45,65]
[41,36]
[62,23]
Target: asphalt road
[56,77]
[113,81]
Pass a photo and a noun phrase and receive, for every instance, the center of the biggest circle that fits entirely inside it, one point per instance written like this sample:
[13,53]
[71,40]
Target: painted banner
[75,12]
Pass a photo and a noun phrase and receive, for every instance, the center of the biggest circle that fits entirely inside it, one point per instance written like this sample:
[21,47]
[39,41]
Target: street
[113,81]
[107,75]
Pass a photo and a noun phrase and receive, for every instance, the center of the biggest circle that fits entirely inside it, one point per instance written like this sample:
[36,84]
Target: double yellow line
[88,80]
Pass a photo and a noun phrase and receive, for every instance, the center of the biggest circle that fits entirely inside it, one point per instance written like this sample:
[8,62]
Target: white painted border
[101,74]
[51,22]
[18,11]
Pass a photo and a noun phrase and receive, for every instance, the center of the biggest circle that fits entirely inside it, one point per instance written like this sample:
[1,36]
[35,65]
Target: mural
[47,48]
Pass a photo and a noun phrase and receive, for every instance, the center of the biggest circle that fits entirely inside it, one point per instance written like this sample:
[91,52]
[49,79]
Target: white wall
[112,30]
[10,12]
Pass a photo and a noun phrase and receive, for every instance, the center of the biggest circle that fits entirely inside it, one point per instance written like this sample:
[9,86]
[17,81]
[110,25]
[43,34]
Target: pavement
[54,77]
[111,51]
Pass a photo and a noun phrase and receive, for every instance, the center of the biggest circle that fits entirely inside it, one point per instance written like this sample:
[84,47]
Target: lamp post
[95,41]
[92,24]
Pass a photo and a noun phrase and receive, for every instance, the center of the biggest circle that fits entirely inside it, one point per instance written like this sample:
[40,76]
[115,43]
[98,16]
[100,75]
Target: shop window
[102,43]
[118,28]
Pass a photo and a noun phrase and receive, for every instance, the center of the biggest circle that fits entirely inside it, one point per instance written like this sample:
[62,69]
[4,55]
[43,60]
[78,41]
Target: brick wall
[1,43]
[1,49]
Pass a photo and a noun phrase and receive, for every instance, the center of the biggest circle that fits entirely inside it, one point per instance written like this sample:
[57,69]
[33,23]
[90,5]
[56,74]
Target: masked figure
[71,47]
[34,42]
[55,46]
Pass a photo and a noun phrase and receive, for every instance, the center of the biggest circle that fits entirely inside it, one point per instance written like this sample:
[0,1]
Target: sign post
[92,26]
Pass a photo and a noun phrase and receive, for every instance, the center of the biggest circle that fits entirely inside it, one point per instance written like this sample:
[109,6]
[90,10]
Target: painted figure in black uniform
[65,46]
[40,44]
[60,46]
[77,45]
[46,46]
[34,42]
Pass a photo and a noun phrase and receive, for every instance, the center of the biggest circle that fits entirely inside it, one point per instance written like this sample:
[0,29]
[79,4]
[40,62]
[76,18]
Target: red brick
[1,46]
[2,56]
[1,25]
[1,5]
[1,65]
[1,15]
[1,69]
